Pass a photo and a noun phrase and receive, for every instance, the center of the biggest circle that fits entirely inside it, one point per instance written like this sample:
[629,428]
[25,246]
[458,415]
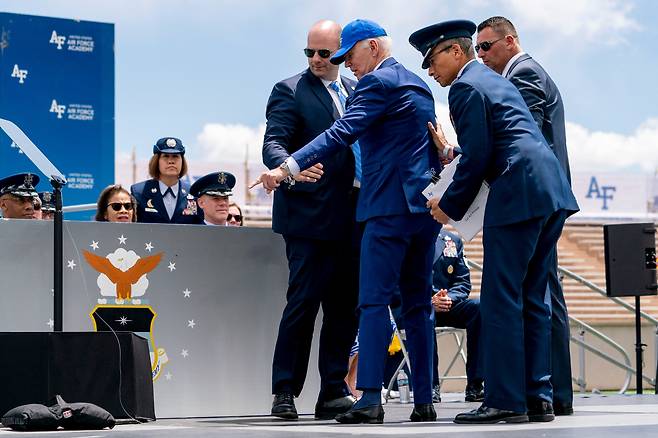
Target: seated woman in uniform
[165,198]
[116,204]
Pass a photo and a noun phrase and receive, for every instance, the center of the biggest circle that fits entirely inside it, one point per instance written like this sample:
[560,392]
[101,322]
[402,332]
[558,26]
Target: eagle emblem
[123,279]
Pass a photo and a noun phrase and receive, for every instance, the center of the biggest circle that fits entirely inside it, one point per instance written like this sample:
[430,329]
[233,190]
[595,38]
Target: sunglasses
[486,45]
[324,53]
[237,217]
[116,206]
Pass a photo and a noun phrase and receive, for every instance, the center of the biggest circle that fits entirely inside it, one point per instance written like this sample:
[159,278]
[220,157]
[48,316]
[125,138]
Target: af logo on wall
[19,73]
[605,194]
[123,282]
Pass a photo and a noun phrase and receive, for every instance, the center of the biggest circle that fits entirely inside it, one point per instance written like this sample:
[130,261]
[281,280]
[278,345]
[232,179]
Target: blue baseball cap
[424,40]
[169,145]
[354,32]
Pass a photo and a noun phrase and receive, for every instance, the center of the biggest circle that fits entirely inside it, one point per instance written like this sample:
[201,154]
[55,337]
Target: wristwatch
[289,179]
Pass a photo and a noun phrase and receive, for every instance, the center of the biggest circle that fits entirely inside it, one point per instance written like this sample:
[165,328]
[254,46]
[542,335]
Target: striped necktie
[356,150]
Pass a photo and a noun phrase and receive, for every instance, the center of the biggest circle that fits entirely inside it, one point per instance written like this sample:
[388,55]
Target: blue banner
[57,85]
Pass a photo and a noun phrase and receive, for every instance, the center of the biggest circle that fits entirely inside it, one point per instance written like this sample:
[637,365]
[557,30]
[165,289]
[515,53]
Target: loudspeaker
[93,367]
[630,259]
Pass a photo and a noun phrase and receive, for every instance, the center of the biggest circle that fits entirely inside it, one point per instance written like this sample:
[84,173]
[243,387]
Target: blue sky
[203,70]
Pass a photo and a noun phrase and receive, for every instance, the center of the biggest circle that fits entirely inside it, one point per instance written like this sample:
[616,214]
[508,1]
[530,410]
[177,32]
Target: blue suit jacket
[151,208]
[388,115]
[449,270]
[300,108]
[501,144]
[545,103]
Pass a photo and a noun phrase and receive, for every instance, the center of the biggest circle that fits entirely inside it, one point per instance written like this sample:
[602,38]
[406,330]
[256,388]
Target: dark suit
[388,114]
[451,273]
[545,103]
[528,202]
[318,225]
[151,208]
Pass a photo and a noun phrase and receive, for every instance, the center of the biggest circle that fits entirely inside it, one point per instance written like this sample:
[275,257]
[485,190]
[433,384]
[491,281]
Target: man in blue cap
[212,192]
[387,114]
[17,195]
[528,202]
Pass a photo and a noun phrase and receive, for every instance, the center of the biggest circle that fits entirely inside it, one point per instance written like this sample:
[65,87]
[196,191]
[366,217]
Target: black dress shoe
[283,406]
[424,412]
[474,393]
[562,408]
[436,394]
[485,415]
[540,411]
[368,415]
[328,409]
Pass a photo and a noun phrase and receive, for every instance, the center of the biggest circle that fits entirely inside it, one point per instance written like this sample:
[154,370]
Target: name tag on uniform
[151,210]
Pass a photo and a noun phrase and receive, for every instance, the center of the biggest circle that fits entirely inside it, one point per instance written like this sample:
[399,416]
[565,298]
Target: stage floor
[596,416]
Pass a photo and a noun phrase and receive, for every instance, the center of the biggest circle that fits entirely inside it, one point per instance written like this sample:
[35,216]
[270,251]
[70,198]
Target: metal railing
[579,339]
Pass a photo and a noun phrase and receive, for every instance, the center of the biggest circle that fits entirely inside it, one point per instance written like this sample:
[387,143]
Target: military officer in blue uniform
[451,281]
[212,192]
[165,198]
[17,195]
[47,205]
[528,202]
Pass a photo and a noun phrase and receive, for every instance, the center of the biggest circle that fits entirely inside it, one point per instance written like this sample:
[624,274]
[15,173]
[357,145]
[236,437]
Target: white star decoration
[71,264]
[171,267]
[191,323]
[122,240]
[94,245]
[123,320]
[184,353]
[149,247]
[168,376]
[50,323]
[187,292]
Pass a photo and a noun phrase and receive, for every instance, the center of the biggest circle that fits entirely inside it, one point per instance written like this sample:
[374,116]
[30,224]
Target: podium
[93,367]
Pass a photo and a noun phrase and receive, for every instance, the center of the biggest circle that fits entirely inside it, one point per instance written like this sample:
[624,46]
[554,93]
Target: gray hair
[385,44]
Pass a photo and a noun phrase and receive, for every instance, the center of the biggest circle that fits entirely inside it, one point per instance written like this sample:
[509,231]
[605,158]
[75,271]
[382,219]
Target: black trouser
[560,337]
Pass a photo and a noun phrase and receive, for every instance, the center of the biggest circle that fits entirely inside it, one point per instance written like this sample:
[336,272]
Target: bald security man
[317,222]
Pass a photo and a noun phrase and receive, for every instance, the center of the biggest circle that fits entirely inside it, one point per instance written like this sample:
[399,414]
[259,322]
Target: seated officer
[452,282]
[47,205]
[212,192]
[17,196]
[164,198]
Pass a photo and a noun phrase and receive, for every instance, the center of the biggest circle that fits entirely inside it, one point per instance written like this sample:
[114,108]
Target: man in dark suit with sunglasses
[317,222]
[499,47]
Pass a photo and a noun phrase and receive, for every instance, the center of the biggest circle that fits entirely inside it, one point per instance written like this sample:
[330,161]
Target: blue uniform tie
[356,150]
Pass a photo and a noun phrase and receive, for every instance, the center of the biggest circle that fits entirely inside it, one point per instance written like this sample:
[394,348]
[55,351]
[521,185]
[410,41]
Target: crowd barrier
[208,299]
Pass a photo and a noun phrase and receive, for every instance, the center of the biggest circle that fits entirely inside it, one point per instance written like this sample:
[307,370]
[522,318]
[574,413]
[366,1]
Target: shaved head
[323,35]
